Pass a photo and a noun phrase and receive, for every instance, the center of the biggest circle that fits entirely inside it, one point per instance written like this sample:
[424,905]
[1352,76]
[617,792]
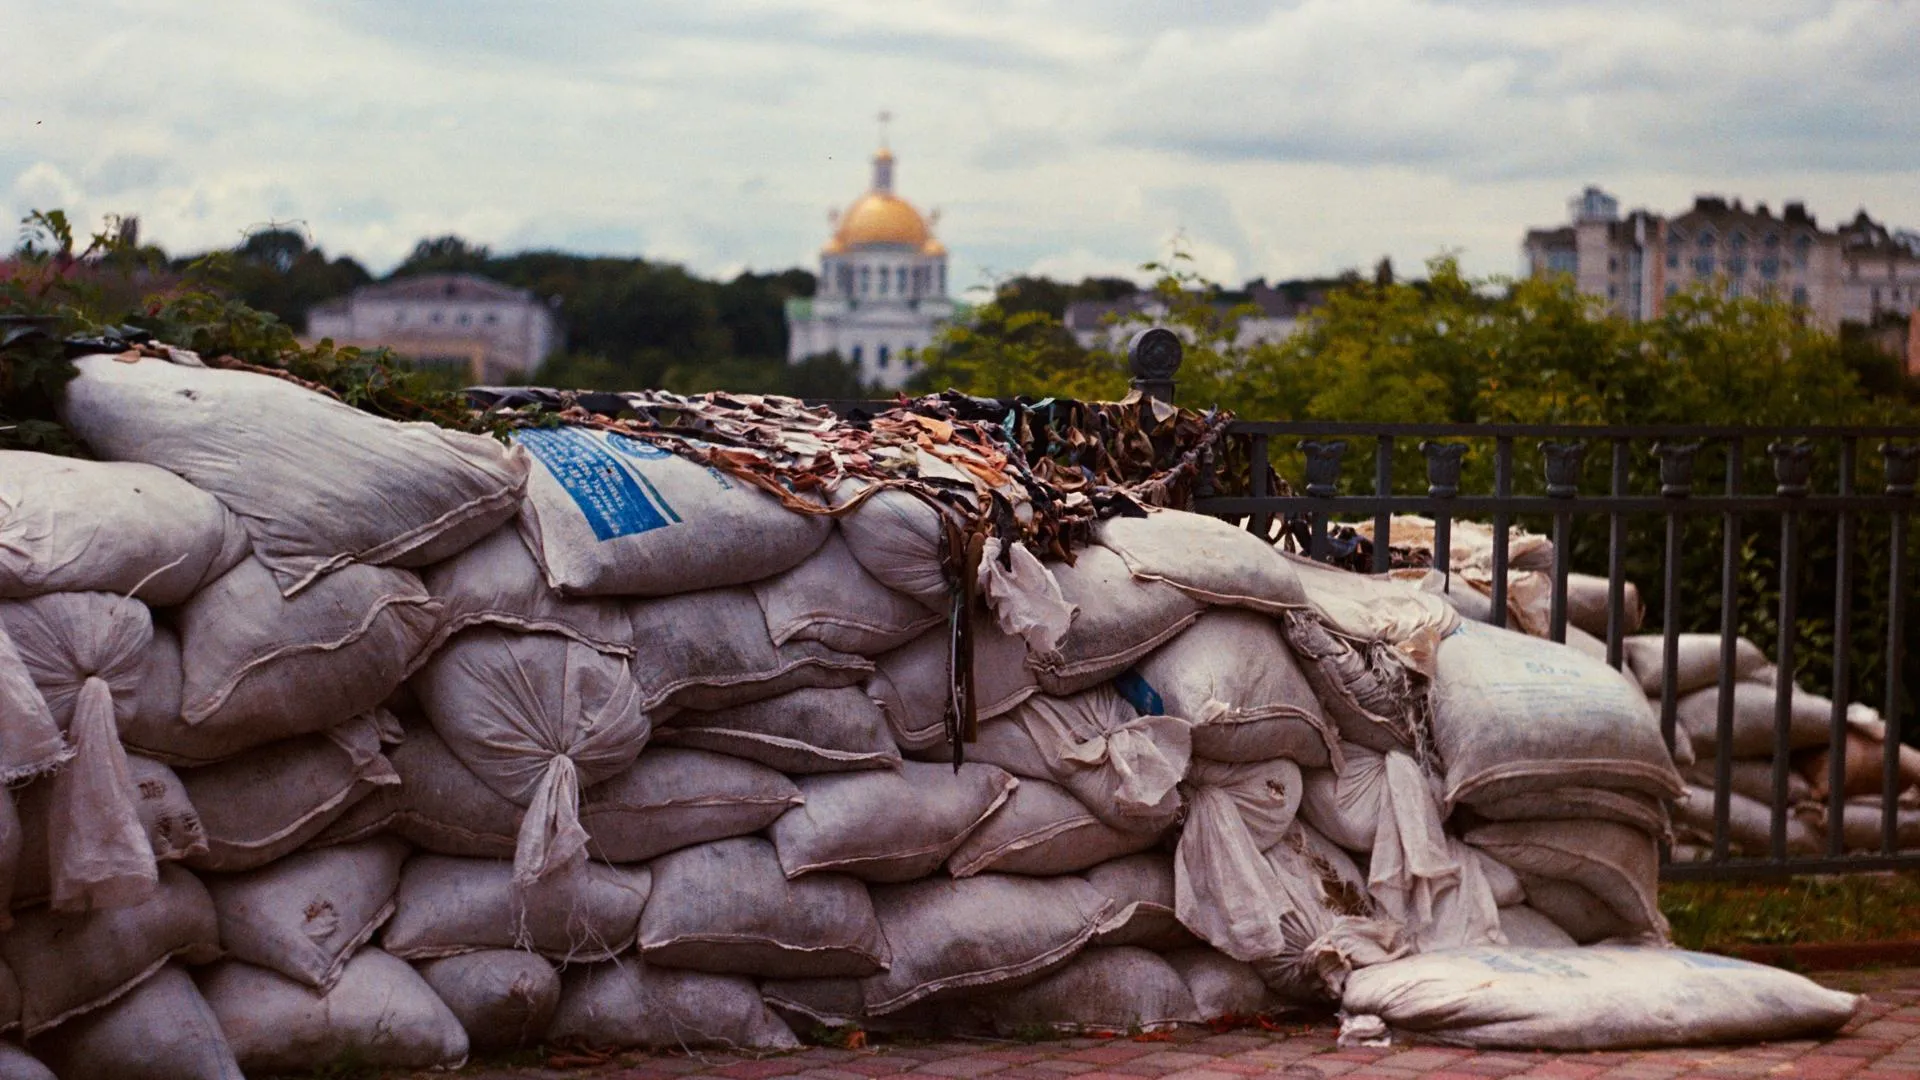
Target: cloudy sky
[1057,136]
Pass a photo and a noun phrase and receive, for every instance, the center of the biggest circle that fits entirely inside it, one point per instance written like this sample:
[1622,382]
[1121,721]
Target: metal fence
[1602,492]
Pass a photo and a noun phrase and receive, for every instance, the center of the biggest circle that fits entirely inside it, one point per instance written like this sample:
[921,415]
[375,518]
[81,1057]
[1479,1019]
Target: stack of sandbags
[358,740]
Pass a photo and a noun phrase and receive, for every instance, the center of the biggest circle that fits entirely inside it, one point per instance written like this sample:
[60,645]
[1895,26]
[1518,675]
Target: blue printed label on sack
[615,500]
[1139,693]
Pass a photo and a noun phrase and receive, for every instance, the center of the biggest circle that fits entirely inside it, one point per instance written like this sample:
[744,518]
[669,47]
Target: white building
[1110,324]
[882,291]
[484,331]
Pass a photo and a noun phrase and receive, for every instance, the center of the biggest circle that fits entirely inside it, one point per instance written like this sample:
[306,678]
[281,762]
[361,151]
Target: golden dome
[880,218]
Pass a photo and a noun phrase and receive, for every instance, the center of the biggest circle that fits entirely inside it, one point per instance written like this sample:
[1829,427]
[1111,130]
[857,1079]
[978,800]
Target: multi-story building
[484,331]
[1111,323]
[1636,261]
[882,291]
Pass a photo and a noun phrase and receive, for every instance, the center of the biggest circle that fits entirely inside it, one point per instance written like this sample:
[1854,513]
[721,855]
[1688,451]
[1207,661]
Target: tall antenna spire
[883,159]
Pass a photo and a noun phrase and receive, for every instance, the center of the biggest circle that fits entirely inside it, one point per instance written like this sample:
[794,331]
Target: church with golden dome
[882,289]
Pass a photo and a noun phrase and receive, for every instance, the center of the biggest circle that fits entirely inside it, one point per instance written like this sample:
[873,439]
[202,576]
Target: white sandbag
[609,515]
[1750,823]
[537,717]
[267,802]
[69,964]
[1023,594]
[899,537]
[1501,880]
[1224,889]
[1527,928]
[257,667]
[379,1014]
[497,581]
[628,1003]
[1327,919]
[68,525]
[172,826]
[1589,597]
[438,805]
[304,915]
[1365,687]
[1698,665]
[1618,864]
[1698,715]
[1593,999]
[1126,768]
[1118,619]
[710,650]
[1205,557]
[316,483]
[155,714]
[1140,889]
[830,599]
[84,653]
[1643,812]
[726,908]
[162,1030]
[1103,990]
[1861,826]
[913,684]
[32,744]
[1223,988]
[1378,610]
[957,937]
[1232,676]
[17,1064]
[671,798]
[890,825]
[503,998]
[804,731]
[1515,713]
[1043,830]
[447,907]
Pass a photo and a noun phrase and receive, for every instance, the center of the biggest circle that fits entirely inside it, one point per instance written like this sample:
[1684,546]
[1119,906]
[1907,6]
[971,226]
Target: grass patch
[1717,915]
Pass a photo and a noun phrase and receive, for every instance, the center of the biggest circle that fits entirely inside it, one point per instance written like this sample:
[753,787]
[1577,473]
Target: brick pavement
[1882,1043]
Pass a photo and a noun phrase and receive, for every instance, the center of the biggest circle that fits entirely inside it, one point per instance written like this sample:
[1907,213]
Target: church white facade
[882,290]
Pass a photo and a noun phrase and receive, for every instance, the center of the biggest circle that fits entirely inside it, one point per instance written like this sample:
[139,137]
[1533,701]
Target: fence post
[1153,356]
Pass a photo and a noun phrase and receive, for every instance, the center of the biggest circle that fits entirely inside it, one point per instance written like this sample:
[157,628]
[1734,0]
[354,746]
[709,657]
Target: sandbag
[83,652]
[1103,989]
[1861,826]
[257,667]
[1527,928]
[17,1064]
[1698,715]
[379,1014]
[1207,558]
[1620,865]
[155,713]
[1515,713]
[172,827]
[1117,620]
[69,525]
[267,802]
[1383,610]
[73,963]
[1698,664]
[316,483]
[438,805]
[1366,689]
[887,825]
[32,744]
[1580,914]
[304,915]
[1326,917]
[671,798]
[1043,830]
[1232,676]
[1224,889]
[12,840]
[536,717]
[830,599]
[913,685]
[1589,597]
[497,582]
[503,998]
[1749,822]
[1593,999]
[1223,988]
[628,1003]
[1643,812]
[805,731]
[899,538]
[956,937]
[1141,891]
[1126,768]
[162,1030]
[710,650]
[1863,760]
[447,907]
[725,907]
[609,515]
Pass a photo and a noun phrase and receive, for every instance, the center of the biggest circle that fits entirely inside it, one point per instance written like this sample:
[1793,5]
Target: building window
[880,358]
[1673,258]
[1562,261]
[1737,262]
[1772,242]
[1770,267]
[1801,245]
[900,279]
[492,318]
[866,280]
[941,288]
[884,278]
[844,275]
[1613,265]
[1733,288]
[1703,264]
[438,318]
[906,363]
[1672,289]
[856,356]
[1799,296]
[466,318]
